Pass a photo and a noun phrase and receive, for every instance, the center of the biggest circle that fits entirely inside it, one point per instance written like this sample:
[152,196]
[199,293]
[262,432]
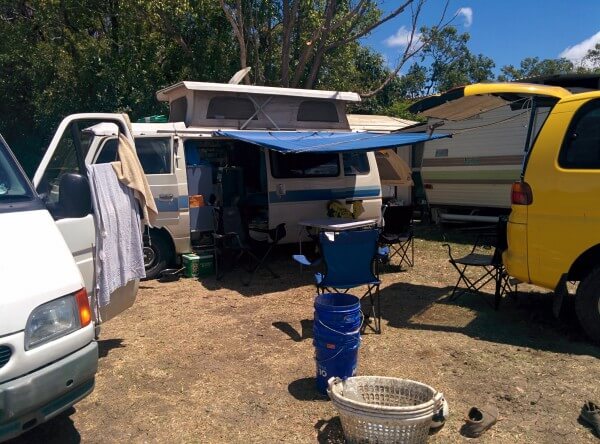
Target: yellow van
[554,224]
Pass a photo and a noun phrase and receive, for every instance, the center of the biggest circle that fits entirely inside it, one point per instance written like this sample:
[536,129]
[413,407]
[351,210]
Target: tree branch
[408,53]
[238,29]
[369,28]
[289,21]
[316,64]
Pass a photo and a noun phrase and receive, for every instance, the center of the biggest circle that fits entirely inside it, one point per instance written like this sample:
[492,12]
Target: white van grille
[5,353]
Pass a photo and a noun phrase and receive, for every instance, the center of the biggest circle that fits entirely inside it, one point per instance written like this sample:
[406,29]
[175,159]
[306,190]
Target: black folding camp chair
[397,233]
[233,244]
[482,265]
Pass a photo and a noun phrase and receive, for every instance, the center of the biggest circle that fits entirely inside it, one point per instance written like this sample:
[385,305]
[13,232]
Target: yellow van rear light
[521,194]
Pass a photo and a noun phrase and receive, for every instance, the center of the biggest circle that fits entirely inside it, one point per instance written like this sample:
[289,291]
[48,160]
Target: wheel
[157,255]
[587,304]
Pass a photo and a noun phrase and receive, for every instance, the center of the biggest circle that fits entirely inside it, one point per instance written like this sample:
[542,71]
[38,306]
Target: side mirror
[74,199]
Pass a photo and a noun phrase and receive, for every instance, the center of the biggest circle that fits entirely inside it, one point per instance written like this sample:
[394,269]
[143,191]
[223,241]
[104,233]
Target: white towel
[119,244]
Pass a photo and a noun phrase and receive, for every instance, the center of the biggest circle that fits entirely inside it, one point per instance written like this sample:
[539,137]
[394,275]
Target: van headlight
[56,318]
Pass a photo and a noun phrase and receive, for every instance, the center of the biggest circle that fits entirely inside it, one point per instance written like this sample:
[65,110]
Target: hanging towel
[129,171]
[119,254]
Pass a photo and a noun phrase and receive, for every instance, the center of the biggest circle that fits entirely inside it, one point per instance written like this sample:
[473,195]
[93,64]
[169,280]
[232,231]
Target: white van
[48,355]
[204,157]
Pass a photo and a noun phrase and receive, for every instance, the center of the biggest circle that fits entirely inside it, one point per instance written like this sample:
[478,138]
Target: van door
[66,154]
[160,165]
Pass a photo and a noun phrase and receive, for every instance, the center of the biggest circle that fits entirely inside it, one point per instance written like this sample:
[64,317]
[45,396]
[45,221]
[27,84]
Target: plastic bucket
[336,331]
[339,360]
[340,311]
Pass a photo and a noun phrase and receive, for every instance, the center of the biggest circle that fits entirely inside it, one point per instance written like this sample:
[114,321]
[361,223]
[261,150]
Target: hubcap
[149,257]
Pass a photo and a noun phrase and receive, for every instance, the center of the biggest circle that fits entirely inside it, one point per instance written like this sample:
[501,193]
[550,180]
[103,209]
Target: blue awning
[325,141]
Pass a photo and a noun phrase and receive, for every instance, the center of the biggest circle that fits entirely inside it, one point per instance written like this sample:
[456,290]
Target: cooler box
[206,266]
[191,264]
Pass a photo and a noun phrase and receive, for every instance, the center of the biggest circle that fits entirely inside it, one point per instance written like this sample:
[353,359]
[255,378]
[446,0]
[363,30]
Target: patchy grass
[219,362]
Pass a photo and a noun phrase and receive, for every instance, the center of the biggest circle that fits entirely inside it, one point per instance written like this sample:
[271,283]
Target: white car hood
[36,266]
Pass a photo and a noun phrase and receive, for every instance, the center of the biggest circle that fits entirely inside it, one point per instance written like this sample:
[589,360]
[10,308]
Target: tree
[445,62]
[306,35]
[591,61]
[61,57]
[534,67]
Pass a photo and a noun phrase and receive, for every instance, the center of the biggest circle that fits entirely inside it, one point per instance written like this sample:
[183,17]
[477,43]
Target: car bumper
[35,398]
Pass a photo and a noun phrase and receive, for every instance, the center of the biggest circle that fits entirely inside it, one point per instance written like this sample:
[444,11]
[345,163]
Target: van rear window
[288,166]
[581,147]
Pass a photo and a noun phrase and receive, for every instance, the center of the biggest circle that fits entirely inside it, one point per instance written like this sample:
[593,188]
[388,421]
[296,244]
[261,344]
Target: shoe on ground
[590,413]
[479,420]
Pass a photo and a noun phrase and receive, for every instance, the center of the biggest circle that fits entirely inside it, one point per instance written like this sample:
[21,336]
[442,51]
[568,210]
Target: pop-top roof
[164,94]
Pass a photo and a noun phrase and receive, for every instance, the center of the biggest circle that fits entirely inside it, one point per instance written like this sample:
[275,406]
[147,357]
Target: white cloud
[577,52]
[402,38]
[467,13]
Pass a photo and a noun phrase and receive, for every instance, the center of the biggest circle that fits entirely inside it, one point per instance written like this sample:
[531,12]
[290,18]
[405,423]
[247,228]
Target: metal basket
[377,409]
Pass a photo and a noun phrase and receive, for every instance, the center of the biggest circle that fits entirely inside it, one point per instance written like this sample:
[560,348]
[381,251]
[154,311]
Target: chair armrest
[301,259]
[449,251]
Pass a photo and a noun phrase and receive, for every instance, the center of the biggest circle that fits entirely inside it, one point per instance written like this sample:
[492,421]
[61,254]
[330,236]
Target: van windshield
[13,184]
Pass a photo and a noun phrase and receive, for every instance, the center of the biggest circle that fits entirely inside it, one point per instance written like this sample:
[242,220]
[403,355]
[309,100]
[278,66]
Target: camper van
[276,153]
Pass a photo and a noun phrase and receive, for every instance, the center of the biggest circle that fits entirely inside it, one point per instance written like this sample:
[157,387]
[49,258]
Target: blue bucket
[341,311]
[336,330]
[341,361]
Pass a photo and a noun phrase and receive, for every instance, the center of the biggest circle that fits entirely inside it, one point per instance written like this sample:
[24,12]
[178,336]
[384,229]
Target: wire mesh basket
[377,409]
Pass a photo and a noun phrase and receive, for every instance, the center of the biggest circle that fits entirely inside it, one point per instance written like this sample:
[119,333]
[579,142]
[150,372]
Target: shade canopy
[327,142]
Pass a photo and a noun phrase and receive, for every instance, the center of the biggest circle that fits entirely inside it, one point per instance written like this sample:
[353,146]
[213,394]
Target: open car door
[66,156]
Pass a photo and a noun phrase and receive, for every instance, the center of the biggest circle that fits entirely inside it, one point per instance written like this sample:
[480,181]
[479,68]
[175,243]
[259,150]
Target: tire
[157,255]
[587,305]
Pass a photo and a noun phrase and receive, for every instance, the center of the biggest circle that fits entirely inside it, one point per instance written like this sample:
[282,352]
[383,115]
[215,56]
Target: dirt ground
[216,362]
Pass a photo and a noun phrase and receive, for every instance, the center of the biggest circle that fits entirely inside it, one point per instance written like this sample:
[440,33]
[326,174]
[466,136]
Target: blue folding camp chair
[349,258]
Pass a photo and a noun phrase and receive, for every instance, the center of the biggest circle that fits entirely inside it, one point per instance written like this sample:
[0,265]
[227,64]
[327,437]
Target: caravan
[279,154]
[469,177]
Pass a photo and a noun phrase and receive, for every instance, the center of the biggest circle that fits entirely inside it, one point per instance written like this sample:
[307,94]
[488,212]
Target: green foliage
[445,62]
[534,67]
[592,59]
[61,57]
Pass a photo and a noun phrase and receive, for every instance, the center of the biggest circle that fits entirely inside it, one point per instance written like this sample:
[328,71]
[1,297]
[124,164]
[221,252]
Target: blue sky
[505,30]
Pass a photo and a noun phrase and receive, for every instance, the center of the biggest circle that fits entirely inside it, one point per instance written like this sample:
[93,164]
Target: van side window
[177,110]
[356,164]
[109,152]
[581,147]
[317,111]
[154,153]
[287,166]
[234,108]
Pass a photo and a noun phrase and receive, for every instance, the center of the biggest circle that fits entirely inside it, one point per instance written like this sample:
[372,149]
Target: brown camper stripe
[468,161]
[469,181]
